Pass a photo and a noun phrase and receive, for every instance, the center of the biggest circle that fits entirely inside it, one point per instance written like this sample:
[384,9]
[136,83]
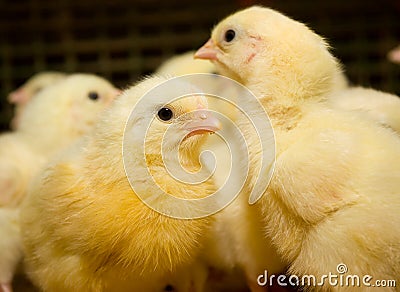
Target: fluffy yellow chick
[55,118]
[21,96]
[379,106]
[85,229]
[335,194]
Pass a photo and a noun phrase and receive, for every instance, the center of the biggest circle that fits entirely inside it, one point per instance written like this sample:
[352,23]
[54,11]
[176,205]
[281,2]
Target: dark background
[122,40]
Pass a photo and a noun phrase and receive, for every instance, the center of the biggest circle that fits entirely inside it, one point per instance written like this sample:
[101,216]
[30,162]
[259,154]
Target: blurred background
[122,40]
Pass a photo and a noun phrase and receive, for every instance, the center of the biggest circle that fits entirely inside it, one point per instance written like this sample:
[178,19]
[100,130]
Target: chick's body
[335,193]
[84,228]
[10,245]
[338,201]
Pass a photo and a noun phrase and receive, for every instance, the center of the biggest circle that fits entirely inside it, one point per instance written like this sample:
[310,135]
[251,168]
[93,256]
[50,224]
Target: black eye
[229,35]
[165,114]
[169,288]
[93,95]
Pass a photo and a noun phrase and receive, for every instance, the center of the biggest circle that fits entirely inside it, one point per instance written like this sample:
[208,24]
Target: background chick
[184,64]
[379,106]
[335,178]
[21,96]
[96,234]
[56,117]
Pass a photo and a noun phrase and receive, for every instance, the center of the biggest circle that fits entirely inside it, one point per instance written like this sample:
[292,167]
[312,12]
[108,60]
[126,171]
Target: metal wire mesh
[122,40]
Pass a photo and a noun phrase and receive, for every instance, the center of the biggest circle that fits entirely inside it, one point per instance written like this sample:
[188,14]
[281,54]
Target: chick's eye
[229,35]
[169,288]
[93,95]
[165,114]
[37,89]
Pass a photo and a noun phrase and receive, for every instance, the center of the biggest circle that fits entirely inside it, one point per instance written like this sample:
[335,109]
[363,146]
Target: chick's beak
[116,93]
[202,122]
[18,97]
[207,52]
[113,95]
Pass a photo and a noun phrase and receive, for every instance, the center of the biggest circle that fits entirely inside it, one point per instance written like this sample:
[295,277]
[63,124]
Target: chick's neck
[285,98]
[283,111]
[189,156]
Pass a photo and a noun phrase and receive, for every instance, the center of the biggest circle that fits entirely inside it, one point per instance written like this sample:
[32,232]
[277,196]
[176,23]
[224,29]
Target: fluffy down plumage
[335,193]
[84,229]
[379,106]
[184,64]
[55,118]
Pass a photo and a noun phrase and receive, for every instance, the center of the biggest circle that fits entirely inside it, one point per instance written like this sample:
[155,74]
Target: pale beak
[394,55]
[202,122]
[207,52]
[115,93]
[18,97]
[6,287]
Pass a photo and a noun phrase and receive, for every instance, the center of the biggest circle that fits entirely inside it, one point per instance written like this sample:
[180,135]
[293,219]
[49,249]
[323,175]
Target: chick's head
[22,95]
[89,95]
[262,47]
[142,119]
[181,124]
[71,104]
[169,123]
[33,85]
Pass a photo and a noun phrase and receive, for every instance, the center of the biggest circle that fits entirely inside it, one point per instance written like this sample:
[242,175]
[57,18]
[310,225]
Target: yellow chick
[379,106]
[21,96]
[335,194]
[56,117]
[85,229]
